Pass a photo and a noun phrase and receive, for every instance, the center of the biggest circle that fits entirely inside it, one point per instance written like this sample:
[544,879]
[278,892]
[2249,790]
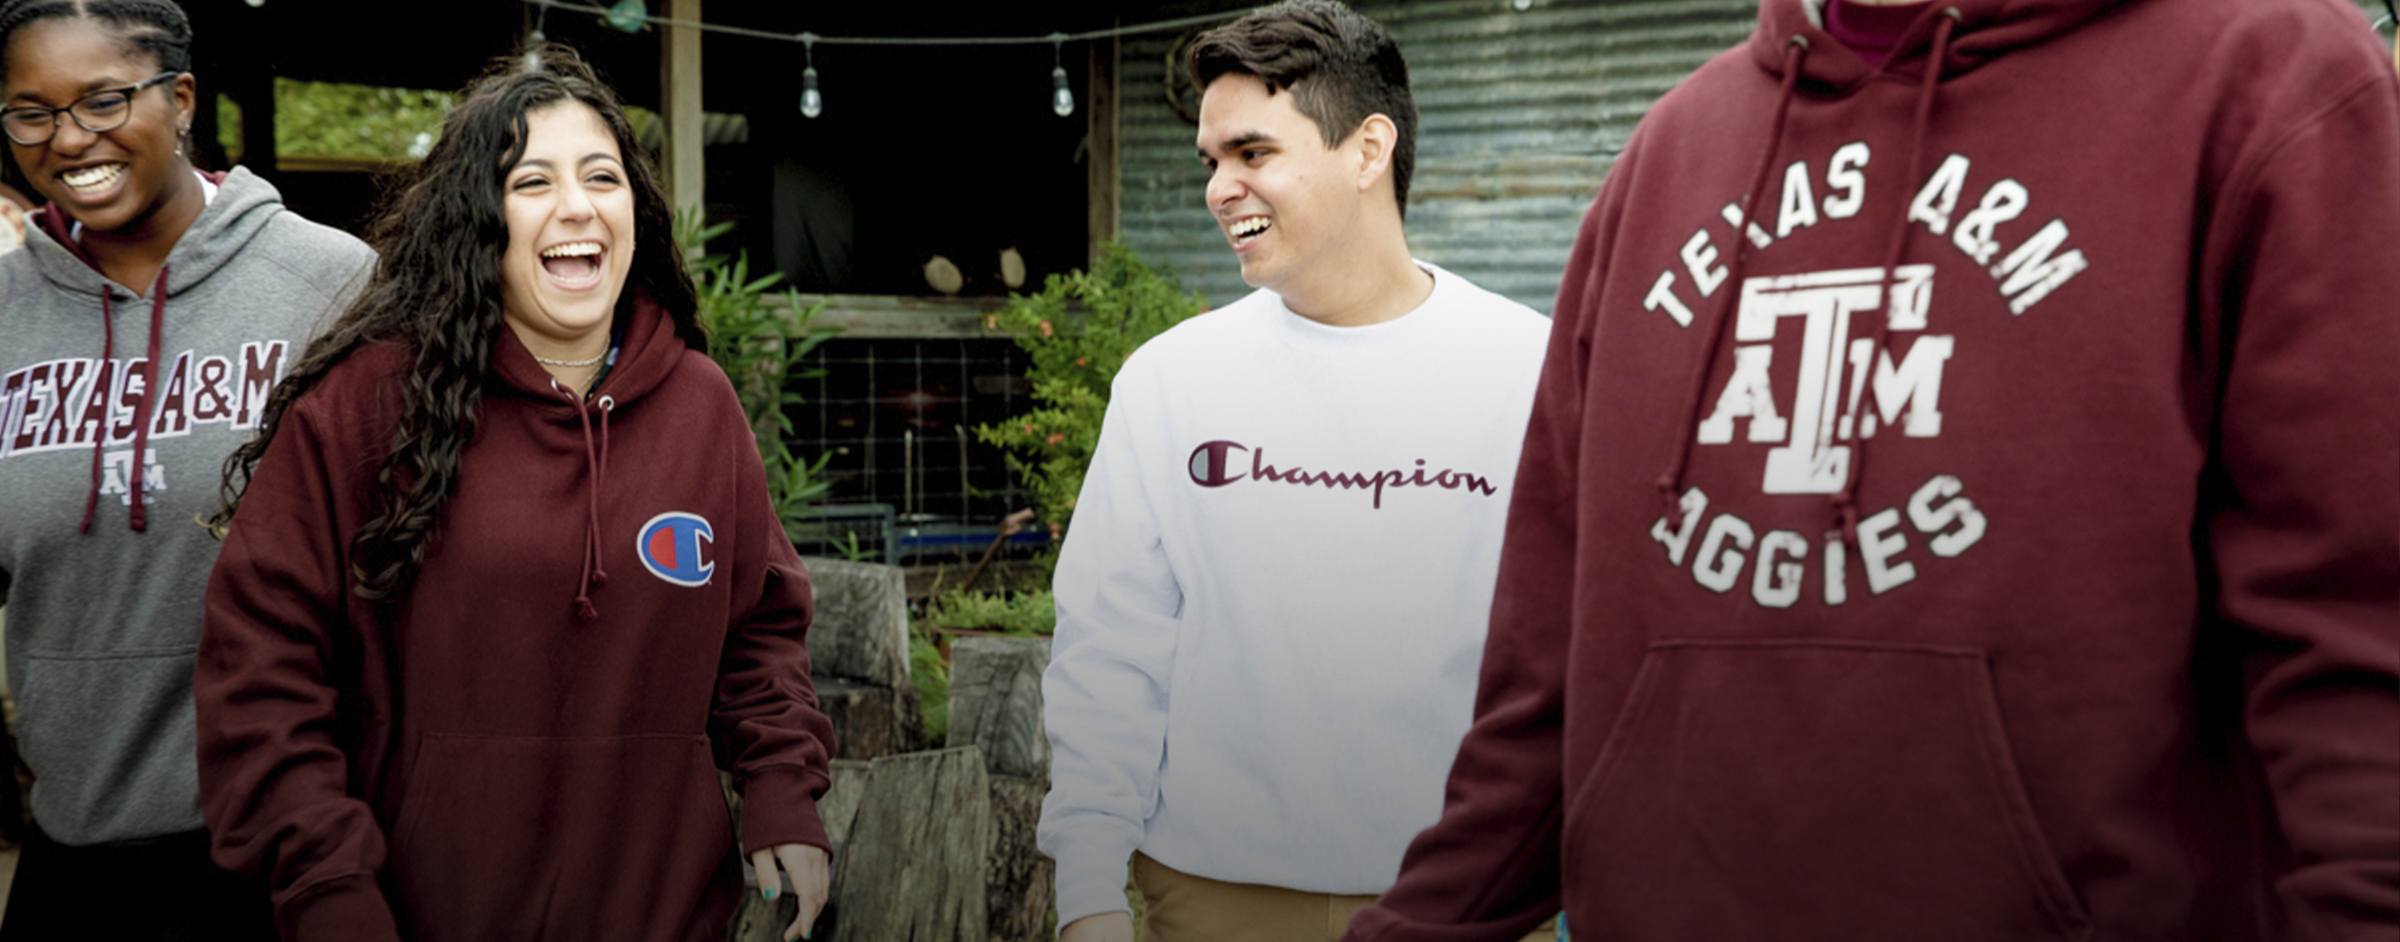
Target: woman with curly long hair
[502,588]
[143,320]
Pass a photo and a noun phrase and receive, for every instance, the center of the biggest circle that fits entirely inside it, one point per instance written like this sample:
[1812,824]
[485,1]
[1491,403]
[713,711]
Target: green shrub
[760,344]
[1020,613]
[1124,303]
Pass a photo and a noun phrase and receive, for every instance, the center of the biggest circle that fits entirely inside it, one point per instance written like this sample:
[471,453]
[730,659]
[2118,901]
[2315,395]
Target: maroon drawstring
[108,356]
[1670,483]
[139,520]
[1845,501]
[596,463]
[606,404]
[141,431]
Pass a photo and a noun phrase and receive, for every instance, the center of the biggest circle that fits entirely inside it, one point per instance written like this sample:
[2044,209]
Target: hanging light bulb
[534,40]
[1062,101]
[812,102]
[628,15]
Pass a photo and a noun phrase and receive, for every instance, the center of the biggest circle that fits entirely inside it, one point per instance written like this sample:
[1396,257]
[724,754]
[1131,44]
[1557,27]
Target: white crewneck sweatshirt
[1272,601]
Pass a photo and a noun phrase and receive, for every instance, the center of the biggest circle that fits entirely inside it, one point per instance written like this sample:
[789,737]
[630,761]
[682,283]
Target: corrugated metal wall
[1521,114]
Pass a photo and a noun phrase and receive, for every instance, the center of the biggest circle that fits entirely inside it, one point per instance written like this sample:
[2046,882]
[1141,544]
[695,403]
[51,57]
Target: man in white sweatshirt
[1272,599]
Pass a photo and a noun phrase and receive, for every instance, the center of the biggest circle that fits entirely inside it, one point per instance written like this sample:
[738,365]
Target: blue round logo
[675,546]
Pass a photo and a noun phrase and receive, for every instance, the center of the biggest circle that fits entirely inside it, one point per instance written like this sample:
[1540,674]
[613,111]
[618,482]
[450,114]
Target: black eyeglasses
[99,112]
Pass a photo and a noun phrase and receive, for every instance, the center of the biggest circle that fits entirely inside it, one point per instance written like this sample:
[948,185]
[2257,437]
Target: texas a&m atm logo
[1845,390]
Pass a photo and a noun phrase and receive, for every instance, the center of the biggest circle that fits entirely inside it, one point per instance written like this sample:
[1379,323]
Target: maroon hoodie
[526,747]
[2058,598]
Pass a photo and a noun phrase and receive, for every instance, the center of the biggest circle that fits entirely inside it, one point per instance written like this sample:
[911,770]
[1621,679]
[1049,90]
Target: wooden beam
[679,83]
[1104,185]
[256,95]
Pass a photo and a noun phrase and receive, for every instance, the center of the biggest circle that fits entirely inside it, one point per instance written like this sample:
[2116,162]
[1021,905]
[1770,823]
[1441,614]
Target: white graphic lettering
[1719,565]
[1940,194]
[1879,548]
[116,476]
[1799,205]
[2003,202]
[1843,177]
[2031,273]
[1777,583]
[1692,504]
[1956,511]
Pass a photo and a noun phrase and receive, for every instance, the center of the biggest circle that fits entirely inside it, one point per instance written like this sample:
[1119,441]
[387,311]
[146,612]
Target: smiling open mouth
[86,180]
[574,265]
[1248,230]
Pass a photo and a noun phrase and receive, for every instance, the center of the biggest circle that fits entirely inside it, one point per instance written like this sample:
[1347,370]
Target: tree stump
[996,703]
[996,706]
[914,863]
[1020,885]
[869,721]
[861,627]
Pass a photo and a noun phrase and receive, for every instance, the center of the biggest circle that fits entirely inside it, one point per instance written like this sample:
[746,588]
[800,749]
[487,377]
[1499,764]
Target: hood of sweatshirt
[1986,31]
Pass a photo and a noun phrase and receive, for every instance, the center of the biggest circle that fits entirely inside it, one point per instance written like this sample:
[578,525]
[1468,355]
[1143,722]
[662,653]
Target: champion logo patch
[677,547]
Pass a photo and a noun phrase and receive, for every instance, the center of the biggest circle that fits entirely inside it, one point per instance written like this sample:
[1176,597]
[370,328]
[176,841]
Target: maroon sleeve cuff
[349,909]
[779,806]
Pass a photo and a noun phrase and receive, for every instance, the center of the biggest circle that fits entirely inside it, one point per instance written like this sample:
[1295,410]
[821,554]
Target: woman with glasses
[147,317]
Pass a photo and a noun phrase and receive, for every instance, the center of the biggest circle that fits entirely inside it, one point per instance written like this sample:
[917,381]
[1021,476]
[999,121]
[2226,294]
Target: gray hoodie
[102,559]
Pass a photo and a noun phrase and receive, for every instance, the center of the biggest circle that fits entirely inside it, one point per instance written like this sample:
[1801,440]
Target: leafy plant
[1021,613]
[337,120]
[761,346]
[932,678]
[1125,303]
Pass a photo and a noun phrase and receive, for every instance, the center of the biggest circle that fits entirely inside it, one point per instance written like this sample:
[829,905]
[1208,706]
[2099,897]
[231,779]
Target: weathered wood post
[996,706]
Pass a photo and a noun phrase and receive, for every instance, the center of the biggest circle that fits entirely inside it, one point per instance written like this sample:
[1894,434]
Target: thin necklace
[595,361]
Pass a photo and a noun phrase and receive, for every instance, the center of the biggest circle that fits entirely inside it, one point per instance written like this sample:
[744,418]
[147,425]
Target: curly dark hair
[1340,67]
[436,290]
[156,28]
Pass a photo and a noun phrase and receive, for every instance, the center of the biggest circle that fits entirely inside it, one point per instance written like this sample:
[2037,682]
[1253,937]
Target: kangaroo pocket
[562,838]
[1812,791]
[110,740]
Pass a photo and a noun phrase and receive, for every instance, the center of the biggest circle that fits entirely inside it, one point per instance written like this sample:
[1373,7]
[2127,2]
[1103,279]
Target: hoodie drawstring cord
[108,356]
[591,534]
[139,520]
[606,404]
[1670,483]
[1845,501]
[143,414]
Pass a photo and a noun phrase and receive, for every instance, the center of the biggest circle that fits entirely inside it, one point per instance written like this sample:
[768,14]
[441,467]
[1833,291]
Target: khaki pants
[1180,907]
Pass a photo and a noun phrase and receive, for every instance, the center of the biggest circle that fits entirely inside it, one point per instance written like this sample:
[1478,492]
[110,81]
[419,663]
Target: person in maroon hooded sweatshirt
[503,589]
[1962,500]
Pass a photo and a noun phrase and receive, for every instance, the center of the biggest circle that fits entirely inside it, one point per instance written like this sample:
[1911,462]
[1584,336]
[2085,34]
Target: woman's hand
[810,874]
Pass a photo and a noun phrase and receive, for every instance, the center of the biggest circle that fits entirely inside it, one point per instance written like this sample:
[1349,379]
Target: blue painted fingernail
[768,892]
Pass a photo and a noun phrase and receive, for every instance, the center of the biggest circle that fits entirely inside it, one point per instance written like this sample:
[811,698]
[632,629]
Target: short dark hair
[156,28]
[1339,66]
